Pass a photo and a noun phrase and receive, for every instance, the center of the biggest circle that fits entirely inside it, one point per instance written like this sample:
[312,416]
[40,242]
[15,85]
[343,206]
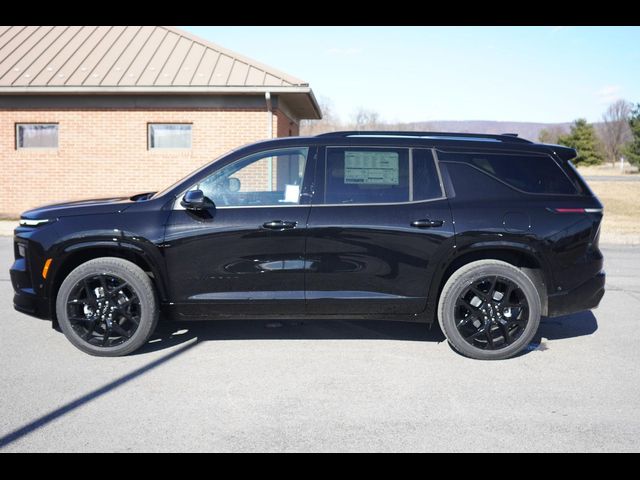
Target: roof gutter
[160,89]
[173,90]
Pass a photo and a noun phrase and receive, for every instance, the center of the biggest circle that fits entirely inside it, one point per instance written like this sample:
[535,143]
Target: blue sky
[538,74]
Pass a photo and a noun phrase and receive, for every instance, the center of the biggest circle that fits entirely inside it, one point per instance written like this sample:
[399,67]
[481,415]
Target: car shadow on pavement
[568,326]
[169,334]
[558,328]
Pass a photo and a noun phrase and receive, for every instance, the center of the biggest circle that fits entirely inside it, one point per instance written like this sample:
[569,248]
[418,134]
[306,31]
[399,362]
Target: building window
[169,135]
[36,135]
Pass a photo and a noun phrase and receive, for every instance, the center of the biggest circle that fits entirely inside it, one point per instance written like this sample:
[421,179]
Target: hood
[83,207]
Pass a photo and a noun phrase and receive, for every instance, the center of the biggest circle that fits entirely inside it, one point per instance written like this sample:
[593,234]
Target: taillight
[576,210]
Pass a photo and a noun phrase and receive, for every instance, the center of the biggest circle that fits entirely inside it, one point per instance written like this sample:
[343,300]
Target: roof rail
[506,138]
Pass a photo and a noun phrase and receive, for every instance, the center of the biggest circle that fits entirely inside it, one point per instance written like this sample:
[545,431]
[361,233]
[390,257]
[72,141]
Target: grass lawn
[608,170]
[621,214]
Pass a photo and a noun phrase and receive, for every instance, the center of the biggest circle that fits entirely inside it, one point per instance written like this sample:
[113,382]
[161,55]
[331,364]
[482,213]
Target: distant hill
[528,130]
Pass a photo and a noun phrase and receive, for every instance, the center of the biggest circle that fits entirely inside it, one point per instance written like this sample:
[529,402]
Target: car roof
[466,141]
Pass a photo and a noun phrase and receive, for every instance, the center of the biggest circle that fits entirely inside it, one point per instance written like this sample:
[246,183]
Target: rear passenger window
[529,173]
[426,182]
[367,175]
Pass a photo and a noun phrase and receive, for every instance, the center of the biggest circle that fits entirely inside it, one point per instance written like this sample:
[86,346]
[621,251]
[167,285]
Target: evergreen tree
[632,151]
[583,138]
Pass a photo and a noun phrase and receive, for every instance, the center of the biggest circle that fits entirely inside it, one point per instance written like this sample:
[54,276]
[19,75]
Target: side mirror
[195,200]
[233,184]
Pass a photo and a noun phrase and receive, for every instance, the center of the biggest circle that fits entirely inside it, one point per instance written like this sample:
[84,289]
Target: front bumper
[25,299]
[584,297]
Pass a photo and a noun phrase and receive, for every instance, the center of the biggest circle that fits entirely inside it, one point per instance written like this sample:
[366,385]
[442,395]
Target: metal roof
[155,57]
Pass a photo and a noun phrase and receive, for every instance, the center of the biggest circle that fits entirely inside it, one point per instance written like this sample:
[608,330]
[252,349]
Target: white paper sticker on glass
[371,168]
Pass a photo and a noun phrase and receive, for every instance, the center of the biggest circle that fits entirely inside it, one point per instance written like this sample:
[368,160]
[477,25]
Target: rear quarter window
[528,173]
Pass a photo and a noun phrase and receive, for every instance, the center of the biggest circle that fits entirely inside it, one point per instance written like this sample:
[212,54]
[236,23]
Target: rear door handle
[426,223]
[279,225]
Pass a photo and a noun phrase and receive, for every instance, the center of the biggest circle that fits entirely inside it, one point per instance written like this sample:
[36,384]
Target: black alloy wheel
[107,307]
[492,313]
[104,310]
[490,309]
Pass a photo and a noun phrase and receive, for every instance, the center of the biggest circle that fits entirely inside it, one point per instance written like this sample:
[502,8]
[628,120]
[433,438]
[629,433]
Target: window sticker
[371,168]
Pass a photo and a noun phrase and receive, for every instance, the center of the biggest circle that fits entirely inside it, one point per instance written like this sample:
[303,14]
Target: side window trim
[321,171]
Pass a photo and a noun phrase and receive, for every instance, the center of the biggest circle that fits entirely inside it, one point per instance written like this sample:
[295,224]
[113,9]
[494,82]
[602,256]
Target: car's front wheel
[107,307]
[489,310]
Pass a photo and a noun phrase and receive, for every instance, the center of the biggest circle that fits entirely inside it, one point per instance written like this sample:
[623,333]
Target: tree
[615,130]
[328,123]
[551,134]
[364,119]
[632,150]
[583,138]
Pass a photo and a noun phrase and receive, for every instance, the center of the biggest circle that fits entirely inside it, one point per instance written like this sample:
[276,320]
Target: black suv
[486,233]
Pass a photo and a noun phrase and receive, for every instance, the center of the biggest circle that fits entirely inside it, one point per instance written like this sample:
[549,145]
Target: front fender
[140,237]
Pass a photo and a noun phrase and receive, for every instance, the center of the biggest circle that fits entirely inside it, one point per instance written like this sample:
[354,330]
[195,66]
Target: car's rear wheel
[489,310]
[107,307]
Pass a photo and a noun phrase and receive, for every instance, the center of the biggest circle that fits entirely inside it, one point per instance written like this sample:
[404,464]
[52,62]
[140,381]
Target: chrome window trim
[177,205]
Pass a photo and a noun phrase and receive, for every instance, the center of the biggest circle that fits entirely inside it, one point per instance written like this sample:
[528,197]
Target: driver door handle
[426,223]
[279,225]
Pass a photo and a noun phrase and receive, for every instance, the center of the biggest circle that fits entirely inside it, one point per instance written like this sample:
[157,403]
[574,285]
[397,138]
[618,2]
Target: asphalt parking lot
[327,386]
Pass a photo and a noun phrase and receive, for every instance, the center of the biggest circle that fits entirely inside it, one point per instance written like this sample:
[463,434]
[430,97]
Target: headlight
[25,222]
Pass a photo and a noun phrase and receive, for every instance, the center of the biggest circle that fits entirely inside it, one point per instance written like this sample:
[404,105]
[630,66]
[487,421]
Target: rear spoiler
[565,153]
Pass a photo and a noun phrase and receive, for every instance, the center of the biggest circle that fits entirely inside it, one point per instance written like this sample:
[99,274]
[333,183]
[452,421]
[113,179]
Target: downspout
[267,97]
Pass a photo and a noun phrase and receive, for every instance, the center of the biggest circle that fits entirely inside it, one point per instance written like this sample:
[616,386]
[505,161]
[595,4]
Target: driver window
[266,178]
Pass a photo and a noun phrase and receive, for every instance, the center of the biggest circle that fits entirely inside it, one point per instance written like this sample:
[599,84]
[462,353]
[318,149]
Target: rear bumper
[25,299]
[584,297]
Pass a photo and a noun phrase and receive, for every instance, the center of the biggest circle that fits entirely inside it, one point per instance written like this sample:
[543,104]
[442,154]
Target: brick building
[102,111]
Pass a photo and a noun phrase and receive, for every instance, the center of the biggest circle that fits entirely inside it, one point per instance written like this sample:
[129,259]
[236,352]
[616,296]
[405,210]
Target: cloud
[344,52]
[609,93]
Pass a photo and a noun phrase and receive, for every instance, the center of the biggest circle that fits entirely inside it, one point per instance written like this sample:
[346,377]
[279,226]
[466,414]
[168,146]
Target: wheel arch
[77,254]
[518,255]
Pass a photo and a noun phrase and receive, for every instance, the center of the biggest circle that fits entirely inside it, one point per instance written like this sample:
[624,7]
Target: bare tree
[614,131]
[328,123]
[364,119]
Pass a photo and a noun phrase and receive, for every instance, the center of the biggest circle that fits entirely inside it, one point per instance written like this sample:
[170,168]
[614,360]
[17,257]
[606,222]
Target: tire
[499,322]
[131,305]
